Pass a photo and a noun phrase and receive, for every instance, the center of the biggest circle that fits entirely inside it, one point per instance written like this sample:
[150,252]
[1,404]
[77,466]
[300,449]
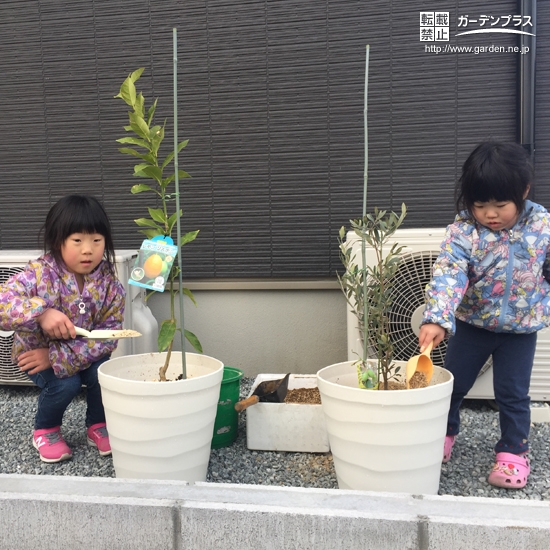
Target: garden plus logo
[435,26]
[487,24]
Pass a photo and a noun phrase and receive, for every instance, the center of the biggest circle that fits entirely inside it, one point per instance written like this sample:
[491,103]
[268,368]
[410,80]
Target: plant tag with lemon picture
[155,259]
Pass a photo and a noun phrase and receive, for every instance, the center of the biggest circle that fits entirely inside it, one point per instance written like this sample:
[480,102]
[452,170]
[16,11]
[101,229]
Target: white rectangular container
[287,426]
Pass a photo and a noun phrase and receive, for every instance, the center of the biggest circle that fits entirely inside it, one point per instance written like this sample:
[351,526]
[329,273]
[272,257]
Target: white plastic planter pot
[387,441]
[161,430]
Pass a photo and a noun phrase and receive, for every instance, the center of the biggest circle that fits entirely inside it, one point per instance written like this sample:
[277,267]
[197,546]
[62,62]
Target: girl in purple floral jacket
[490,293]
[72,284]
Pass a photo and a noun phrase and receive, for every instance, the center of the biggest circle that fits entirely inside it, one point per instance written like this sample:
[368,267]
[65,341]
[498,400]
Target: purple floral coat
[44,284]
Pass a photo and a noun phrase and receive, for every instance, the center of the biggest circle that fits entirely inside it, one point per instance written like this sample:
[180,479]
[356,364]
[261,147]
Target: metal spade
[268,391]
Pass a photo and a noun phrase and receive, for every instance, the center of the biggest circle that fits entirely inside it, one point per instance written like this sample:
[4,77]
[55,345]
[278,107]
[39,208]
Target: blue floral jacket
[497,280]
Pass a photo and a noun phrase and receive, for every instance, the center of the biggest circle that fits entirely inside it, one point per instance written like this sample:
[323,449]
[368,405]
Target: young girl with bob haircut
[489,293]
[72,284]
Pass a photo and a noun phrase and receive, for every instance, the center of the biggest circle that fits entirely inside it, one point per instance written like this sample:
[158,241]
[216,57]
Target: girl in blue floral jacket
[490,294]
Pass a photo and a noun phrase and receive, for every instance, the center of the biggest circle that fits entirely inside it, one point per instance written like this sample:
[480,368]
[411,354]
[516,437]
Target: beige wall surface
[266,331]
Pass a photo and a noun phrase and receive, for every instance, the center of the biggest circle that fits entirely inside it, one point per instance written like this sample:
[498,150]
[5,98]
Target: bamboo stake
[177,188]
[363,243]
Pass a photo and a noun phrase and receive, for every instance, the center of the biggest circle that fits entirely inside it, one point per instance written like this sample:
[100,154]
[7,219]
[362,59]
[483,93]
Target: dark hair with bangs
[77,214]
[495,171]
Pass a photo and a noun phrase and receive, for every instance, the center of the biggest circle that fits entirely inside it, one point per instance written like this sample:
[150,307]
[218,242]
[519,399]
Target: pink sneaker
[98,437]
[448,448]
[50,444]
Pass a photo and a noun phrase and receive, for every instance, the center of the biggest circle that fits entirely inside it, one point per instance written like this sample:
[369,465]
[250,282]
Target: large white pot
[161,430]
[385,440]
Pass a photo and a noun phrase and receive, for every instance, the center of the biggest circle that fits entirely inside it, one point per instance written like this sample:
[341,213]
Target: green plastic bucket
[227,418]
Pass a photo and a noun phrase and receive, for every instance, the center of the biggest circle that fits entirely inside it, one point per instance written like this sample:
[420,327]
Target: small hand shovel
[106,334]
[420,363]
[269,391]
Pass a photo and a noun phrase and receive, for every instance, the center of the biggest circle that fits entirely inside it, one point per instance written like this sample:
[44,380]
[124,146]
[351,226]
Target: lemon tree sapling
[144,144]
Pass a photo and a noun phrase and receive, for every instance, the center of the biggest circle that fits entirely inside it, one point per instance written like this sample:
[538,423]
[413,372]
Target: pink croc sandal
[510,471]
[448,448]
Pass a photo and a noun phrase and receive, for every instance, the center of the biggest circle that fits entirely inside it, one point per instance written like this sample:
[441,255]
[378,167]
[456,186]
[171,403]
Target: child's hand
[34,361]
[430,332]
[56,324]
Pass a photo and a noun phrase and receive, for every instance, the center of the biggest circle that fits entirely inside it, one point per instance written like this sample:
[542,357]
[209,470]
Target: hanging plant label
[153,263]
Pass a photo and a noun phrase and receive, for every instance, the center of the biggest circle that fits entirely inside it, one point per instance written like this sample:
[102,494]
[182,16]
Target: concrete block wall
[58,513]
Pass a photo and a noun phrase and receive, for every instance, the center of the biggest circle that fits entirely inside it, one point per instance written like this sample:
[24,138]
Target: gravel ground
[464,475]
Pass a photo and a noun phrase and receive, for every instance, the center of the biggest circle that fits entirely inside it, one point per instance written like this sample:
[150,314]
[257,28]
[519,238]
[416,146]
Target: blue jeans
[513,356]
[57,393]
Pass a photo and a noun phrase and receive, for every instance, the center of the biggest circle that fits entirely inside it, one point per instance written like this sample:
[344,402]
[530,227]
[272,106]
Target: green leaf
[150,233]
[139,104]
[156,138]
[188,237]
[139,188]
[133,152]
[134,141]
[136,74]
[146,222]
[193,340]
[172,220]
[150,172]
[140,174]
[170,155]
[151,158]
[151,112]
[181,174]
[189,294]
[166,334]
[153,131]
[157,214]
[128,90]
[139,126]
[129,93]
[139,167]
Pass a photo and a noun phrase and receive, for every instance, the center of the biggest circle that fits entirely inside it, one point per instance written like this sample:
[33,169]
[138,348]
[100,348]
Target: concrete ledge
[540,413]
[271,283]
[103,513]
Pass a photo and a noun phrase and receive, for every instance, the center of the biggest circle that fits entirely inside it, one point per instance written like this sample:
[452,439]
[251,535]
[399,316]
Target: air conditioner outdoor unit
[421,248]
[137,315]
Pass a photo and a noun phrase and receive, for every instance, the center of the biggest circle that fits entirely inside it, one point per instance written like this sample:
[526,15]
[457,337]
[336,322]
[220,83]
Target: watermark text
[448,48]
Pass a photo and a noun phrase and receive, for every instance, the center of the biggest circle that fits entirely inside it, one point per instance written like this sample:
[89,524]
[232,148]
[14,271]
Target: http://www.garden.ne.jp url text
[448,48]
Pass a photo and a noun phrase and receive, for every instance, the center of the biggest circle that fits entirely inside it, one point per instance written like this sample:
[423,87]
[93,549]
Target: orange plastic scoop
[420,363]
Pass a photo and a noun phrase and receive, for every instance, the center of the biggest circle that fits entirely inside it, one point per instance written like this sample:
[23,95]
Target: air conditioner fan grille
[408,296]
[9,372]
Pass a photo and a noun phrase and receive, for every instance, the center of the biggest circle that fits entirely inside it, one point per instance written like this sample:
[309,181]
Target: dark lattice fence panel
[271,99]
[541,192]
